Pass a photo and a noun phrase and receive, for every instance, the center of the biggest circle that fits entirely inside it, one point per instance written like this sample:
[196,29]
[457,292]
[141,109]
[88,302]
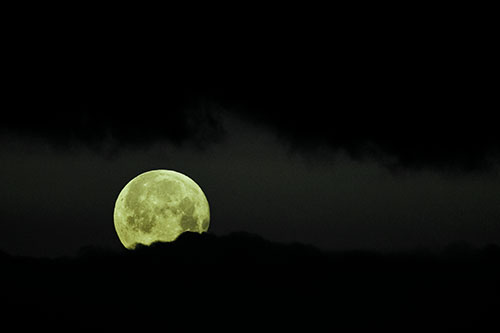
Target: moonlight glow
[159,205]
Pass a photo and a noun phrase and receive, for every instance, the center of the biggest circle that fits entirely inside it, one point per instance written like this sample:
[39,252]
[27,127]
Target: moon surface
[159,205]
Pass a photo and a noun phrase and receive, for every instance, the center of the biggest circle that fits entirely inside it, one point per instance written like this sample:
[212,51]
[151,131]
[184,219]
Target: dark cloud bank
[411,97]
[243,282]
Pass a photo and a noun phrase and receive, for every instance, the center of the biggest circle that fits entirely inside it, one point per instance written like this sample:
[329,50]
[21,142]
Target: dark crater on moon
[188,222]
[142,222]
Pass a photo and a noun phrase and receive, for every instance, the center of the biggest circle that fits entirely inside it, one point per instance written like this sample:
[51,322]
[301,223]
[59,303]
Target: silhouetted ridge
[235,250]
[242,278]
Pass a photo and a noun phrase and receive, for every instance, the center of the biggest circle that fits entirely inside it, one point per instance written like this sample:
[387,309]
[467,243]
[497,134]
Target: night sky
[343,137]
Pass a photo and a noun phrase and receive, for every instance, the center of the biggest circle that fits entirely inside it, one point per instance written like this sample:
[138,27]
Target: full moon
[159,205]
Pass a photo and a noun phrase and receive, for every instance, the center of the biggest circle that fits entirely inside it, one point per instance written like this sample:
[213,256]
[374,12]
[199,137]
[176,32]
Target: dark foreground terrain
[241,282]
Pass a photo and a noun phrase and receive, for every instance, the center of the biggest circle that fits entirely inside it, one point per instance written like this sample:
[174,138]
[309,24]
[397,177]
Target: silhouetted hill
[242,282]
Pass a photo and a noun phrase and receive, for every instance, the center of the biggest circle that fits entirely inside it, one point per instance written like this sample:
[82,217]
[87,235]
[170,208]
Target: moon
[159,205]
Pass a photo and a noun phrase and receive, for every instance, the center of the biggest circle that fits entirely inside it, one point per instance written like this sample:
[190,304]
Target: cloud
[411,138]
[414,112]
[415,101]
[92,112]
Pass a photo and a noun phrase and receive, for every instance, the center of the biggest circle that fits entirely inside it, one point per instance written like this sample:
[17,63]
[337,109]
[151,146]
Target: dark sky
[375,136]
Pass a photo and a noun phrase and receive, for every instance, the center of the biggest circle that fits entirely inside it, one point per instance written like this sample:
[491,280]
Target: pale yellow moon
[159,205]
